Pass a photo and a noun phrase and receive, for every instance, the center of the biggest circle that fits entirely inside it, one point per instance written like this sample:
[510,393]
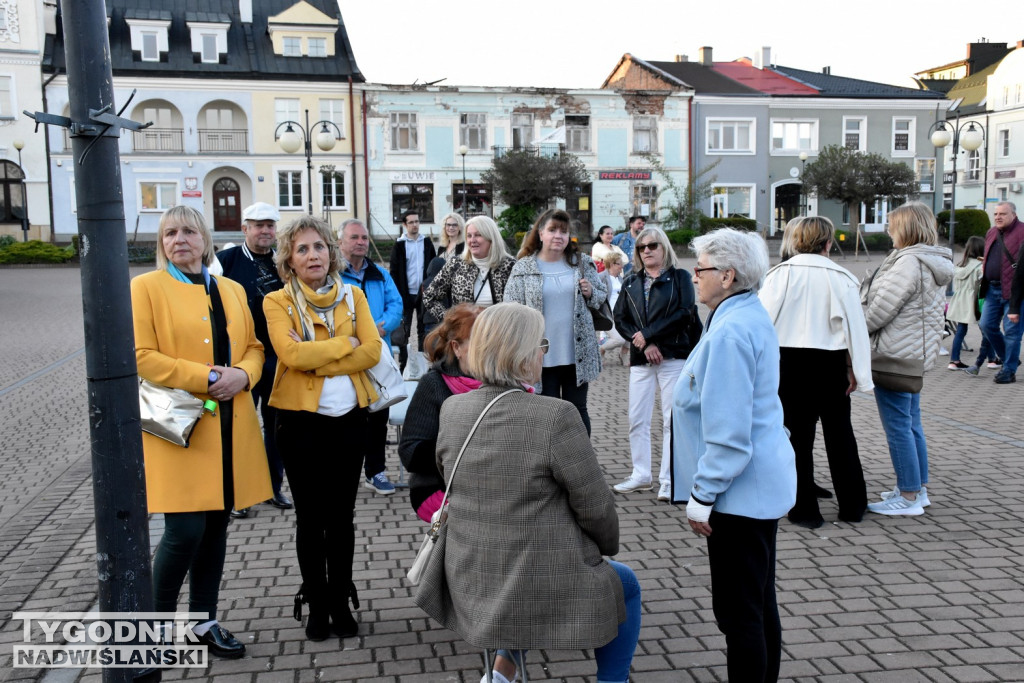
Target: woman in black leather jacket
[656,312]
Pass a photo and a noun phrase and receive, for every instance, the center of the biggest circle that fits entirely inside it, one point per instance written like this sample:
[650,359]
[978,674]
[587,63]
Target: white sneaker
[897,505]
[921,496]
[665,492]
[496,677]
[632,484]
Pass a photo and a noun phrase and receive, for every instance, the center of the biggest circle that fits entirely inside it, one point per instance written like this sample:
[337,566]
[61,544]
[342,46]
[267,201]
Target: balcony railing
[223,140]
[158,140]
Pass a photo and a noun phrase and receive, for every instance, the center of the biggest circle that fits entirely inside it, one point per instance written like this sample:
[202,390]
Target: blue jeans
[958,340]
[984,351]
[1005,343]
[615,658]
[901,417]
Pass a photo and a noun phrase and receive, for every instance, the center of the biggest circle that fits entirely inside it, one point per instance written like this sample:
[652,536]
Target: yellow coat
[302,366]
[174,347]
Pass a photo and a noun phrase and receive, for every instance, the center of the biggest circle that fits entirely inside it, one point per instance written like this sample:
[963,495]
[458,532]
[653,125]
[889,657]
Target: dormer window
[317,47]
[209,33]
[303,30]
[292,46]
[148,30]
[209,53]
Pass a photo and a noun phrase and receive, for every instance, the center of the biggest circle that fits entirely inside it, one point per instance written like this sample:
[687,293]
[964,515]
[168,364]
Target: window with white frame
[725,136]
[412,197]
[157,196]
[333,110]
[404,131]
[210,55]
[473,130]
[1002,192]
[285,109]
[790,136]
[289,189]
[974,165]
[6,97]
[1004,142]
[855,133]
[577,133]
[645,134]
[291,46]
[150,49]
[924,169]
[149,38]
[903,136]
[317,47]
[732,200]
[1006,95]
[644,201]
[872,217]
[522,130]
[333,185]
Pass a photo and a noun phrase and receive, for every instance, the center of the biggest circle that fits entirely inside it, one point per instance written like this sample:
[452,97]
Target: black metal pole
[122,531]
[25,225]
[309,162]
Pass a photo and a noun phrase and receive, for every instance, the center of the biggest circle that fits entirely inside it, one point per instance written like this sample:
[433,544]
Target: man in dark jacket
[1002,253]
[409,260]
[252,265]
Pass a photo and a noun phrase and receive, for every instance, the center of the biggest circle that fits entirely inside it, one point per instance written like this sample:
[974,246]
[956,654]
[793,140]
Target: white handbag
[385,375]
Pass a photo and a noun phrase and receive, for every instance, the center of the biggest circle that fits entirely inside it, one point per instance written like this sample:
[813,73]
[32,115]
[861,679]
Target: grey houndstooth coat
[530,516]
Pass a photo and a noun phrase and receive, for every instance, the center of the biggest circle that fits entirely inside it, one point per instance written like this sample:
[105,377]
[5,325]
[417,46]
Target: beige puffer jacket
[903,306]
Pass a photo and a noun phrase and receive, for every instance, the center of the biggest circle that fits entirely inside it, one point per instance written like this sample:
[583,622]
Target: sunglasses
[650,246]
[698,270]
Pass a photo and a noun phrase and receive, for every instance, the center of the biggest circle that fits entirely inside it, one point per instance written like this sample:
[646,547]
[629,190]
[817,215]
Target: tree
[683,211]
[526,181]
[856,178]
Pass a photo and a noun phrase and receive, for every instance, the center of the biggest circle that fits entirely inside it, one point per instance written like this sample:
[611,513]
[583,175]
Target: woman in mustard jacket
[325,339]
[195,332]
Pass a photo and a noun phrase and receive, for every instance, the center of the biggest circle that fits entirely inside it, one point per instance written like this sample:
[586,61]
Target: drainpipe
[352,146]
[49,171]
[366,164]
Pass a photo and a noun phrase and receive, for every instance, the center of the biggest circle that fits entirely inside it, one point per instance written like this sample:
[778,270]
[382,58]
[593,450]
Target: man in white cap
[251,265]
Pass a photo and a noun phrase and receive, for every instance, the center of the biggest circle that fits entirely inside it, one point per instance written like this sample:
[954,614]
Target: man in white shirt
[408,266]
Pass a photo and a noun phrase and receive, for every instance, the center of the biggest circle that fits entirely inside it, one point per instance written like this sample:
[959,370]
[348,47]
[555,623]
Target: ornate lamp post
[20,145]
[291,141]
[942,132]
[463,150]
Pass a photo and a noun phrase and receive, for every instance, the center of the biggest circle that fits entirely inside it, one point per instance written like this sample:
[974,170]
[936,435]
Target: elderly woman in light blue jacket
[732,461]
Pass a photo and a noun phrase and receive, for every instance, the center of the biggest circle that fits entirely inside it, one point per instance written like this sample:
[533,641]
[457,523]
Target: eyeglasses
[650,246]
[451,225]
[698,270]
[544,344]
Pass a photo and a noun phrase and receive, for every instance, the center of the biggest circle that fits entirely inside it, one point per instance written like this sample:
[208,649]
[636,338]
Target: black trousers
[193,543]
[261,396]
[411,304]
[376,441]
[560,382]
[741,554]
[323,458]
[812,386]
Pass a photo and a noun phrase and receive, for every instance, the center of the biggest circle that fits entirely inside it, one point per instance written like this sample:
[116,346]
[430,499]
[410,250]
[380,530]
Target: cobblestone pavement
[933,598]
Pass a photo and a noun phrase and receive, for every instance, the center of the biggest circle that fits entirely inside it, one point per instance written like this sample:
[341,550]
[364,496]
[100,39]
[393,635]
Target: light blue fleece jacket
[729,446]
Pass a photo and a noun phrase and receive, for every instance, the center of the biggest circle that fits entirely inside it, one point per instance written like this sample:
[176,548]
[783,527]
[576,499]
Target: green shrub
[969,222]
[35,252]
[708,224]
[516,219]
[519,236]
[681,237]
[878,241]
[6,241]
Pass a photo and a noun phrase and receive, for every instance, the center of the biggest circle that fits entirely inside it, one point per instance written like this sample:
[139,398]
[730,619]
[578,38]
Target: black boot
[318,626]
[343,623]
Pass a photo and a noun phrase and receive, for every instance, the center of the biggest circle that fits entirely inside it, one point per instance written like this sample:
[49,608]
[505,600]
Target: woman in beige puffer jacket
[903,311]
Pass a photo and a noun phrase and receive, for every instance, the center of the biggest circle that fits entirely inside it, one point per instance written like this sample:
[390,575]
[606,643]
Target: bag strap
[434,527]
[1013,262]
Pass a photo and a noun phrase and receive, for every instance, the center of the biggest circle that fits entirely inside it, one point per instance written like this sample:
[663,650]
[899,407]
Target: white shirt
[413,262]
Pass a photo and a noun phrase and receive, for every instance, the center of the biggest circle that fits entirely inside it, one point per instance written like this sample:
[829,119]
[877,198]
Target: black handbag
[602,316]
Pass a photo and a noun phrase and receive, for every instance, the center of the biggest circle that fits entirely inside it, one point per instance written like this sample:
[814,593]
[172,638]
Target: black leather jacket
[666,320]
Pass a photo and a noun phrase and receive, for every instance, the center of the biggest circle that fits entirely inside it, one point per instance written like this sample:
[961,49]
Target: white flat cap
[261,211]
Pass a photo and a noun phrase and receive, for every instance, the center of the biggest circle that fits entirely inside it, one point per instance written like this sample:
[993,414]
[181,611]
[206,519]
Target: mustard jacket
[174,348]
[302,366]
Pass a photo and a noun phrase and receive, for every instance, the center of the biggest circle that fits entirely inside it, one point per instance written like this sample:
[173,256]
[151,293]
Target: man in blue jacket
[386,307]
[626,241]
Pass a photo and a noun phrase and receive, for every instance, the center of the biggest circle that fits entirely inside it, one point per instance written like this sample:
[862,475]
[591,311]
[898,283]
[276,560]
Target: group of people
[512,335]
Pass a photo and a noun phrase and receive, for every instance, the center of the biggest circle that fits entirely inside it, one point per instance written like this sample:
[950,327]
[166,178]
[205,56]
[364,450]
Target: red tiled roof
[763,80]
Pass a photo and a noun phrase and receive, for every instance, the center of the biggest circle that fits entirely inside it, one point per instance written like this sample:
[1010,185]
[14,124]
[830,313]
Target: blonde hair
[488,229]
[503,359]
[913,223]
[445,241]
[613,257]
[668,257]
[286,236]
[191,218]
[806,235]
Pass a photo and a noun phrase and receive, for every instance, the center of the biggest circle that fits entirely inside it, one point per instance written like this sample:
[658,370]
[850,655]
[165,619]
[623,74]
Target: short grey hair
[1013,207]
[743,252]
[489,230]
[668,254]
[347,222]
[499,358]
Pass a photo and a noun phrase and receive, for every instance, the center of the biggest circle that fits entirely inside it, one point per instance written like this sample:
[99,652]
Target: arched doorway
[227,205]
[12,193]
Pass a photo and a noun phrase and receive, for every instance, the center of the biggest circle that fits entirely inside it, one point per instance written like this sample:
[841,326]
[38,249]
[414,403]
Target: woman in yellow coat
[195,332]
[325,339]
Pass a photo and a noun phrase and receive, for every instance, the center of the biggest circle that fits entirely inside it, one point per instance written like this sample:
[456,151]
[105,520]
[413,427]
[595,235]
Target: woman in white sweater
[825,355]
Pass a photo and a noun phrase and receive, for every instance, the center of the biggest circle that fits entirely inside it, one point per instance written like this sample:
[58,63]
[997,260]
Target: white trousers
[644,381]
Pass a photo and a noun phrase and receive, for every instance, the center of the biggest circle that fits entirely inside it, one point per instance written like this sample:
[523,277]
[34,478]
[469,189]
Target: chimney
[245,11]
[682,58]
[763,59]
[827,70]
[704,55]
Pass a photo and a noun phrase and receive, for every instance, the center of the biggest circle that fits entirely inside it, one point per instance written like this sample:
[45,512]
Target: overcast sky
[575,44]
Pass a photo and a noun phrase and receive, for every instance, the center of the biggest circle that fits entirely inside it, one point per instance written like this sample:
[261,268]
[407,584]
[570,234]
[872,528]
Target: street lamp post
[970,139]
[291,141]
[803,187]
[463,150]
[20,145]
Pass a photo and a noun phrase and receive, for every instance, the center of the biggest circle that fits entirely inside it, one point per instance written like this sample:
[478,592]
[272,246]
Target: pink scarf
[460,385]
